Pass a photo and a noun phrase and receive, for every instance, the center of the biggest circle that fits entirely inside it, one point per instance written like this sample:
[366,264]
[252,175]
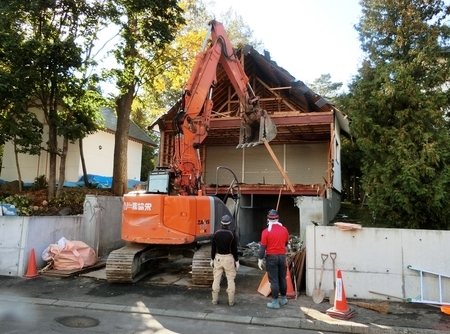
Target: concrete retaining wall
[99,227]
[377,259]
[371,259]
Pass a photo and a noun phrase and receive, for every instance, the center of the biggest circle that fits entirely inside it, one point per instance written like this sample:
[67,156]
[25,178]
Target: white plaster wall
[134,160]
[98,152]
[376,259]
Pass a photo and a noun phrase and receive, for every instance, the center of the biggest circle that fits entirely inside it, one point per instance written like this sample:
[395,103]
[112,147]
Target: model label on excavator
[137,206]
[203,225]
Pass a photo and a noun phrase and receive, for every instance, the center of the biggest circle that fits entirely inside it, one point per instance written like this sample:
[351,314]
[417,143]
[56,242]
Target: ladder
[420,298]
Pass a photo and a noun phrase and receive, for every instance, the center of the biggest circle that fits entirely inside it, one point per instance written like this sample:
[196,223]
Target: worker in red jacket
[224,258]
[274,240]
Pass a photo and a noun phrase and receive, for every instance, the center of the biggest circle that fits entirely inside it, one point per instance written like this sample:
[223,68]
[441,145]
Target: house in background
[98,153]
[307,147]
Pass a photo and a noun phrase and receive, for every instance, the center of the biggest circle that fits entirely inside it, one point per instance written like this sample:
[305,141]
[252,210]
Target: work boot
[283,300]
[231,299]
[274,304]
[215,298]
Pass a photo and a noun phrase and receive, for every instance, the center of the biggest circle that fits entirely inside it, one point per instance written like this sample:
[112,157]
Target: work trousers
[276,270]
[224,263]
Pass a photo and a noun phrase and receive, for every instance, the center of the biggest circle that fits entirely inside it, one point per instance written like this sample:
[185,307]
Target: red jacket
[276,240]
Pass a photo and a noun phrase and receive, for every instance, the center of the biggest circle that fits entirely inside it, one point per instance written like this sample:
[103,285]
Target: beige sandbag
[68,258]
[86,252]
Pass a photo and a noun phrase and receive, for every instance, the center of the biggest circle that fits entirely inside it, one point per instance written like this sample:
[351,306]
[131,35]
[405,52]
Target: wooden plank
[70,273]
[280,168]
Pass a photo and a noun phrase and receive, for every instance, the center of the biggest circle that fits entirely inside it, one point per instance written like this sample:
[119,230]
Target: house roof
[299,113]
[134,133]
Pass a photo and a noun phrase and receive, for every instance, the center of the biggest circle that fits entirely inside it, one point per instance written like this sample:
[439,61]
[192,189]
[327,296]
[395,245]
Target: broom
[382,307]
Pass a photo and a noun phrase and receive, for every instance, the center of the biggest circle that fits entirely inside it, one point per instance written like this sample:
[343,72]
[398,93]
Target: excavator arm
[192,121]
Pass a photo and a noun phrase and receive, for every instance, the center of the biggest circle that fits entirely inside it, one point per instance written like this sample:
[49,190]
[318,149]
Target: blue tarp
[97,181]
[100,181]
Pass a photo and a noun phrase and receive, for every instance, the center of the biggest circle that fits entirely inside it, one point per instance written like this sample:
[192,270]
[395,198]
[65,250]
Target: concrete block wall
[371,259]
[18,235]
[99,227]
[377,259]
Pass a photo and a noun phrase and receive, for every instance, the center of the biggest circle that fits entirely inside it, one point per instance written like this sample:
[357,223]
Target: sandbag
[86,252]
[70,255]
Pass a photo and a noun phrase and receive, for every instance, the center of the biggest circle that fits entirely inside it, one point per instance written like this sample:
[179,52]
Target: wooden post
[280,168]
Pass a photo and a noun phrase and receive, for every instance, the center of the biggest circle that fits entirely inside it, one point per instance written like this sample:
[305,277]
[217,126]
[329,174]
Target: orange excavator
[173,215]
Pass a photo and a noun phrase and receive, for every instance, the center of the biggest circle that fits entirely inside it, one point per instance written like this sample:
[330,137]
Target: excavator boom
[174,215]
[191,123]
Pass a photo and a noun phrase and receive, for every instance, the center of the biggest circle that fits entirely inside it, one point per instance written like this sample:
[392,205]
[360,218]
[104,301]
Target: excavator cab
[159,181]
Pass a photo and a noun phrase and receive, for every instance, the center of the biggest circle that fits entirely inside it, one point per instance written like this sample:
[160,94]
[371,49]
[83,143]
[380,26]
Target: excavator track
[132,262]
[202,273]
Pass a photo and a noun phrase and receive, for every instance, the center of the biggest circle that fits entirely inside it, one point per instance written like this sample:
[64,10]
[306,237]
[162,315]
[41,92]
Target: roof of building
[135,132]
[299,113]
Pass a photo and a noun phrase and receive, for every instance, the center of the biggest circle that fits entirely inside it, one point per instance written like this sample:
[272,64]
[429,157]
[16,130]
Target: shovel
[333,291]
[318,294]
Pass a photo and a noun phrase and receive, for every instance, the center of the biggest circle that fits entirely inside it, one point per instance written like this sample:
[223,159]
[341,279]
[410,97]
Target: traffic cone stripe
[338,292]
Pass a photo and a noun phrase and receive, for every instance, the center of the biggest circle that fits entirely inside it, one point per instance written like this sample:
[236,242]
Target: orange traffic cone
[31,271]
[264,286]
[290,293]
[340,310]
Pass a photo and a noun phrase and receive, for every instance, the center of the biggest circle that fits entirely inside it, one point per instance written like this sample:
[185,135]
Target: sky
[307,38]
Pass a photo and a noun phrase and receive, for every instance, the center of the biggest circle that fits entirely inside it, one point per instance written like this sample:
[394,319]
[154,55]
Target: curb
[322,323]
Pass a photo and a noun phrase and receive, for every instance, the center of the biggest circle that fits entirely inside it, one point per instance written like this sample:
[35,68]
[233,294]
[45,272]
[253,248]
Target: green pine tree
[398,104]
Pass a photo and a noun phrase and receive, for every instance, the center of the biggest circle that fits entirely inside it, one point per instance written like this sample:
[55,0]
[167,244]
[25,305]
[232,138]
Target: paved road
[18,318]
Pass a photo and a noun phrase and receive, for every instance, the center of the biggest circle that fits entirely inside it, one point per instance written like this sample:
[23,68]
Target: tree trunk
[123,110]
[62,167]
[53,151]
[83,163]
[19,175]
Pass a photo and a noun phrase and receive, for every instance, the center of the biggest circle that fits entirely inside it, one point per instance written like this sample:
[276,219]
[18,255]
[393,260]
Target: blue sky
[307,38]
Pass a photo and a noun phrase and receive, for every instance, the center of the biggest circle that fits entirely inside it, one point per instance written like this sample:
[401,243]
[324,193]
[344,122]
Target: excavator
[173,215]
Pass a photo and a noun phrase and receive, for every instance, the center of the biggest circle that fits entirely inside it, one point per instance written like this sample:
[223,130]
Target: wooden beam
[286,120]
[280,168]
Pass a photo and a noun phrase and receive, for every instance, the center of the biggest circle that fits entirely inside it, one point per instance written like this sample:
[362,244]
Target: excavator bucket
[252,134]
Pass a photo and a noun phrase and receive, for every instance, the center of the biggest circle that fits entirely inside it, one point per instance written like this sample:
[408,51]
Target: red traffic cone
[340,310]
[31,271]
[290,293]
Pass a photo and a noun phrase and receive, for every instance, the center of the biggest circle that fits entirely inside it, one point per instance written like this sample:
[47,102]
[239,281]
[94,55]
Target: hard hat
[226,220]
[272,215]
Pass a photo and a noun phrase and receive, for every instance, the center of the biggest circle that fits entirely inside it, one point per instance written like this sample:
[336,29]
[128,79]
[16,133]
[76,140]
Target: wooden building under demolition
[299,172]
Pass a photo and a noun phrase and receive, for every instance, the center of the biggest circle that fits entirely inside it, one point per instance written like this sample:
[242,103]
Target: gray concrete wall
[100,228]
[18,235]
[371,259]
[377,259]
[103,223]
